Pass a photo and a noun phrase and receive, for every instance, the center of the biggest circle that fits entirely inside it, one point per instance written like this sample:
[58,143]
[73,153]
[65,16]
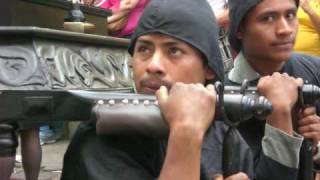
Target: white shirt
[217,6]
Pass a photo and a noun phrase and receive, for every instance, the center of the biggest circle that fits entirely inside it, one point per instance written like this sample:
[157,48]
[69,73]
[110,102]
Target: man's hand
[188,107]
[282,91]
[189,110]
[309,124]
[305,5]
[238,176]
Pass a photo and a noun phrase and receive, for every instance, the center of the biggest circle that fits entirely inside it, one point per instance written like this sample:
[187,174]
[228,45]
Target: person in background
[221,10]
[263,34]
[308,37]
[125,17]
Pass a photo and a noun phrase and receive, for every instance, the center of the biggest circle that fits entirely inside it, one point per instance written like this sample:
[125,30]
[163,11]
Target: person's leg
[6,167]
[8,145]
[31,153]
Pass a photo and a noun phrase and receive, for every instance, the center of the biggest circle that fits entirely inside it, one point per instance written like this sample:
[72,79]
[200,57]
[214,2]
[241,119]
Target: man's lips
[283,45]
[150,87]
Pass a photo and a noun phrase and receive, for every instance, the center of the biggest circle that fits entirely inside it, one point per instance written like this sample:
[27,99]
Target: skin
[309,124]
[175,72]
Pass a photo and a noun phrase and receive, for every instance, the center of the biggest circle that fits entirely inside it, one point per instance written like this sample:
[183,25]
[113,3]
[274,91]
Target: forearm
[126,6]
[315,18]
[183,157]
[281,119]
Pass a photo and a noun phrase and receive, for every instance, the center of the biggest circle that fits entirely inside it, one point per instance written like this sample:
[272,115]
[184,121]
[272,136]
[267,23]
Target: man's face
[163,60]
[269,30]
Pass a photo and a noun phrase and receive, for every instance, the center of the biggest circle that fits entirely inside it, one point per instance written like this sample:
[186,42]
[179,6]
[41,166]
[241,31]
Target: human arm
[280,145]
[314,17]
[119,18]
[126,6]
[189,111]
[282,91]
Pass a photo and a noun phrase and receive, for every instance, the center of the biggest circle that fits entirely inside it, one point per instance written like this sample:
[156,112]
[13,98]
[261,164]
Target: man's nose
[156,64]
[284,27]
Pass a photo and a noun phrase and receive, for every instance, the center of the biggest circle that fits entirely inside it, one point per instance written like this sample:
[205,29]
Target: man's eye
[175,51]
[291,15]
[269,18]
[143,49]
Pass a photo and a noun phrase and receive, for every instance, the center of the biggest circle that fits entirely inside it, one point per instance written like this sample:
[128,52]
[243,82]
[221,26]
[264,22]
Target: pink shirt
[134,16]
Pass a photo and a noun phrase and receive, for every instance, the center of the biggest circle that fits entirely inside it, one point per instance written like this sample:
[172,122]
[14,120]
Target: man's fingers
[218,177]
[238,176]
[309,128]
[309,111]
[210,87]
[299,81]
[162,94]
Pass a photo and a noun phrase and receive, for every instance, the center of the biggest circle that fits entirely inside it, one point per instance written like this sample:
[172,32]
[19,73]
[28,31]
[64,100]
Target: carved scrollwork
[90,67]
[20,68]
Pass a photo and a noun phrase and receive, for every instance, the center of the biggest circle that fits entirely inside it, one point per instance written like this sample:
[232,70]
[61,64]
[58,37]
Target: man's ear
[240,32]
[210,74]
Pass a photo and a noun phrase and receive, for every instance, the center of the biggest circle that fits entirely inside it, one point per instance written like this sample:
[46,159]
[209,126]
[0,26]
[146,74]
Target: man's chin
[283,56]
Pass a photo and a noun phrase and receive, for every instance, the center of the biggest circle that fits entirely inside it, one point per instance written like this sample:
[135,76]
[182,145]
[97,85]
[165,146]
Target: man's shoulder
[305,59]
[304,66]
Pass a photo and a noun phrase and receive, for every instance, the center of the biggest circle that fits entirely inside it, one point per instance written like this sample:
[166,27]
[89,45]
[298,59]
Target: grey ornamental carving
[43,64]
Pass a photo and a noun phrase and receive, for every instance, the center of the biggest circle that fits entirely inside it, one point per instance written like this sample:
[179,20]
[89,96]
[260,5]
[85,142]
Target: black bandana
[191,21]
[238,9]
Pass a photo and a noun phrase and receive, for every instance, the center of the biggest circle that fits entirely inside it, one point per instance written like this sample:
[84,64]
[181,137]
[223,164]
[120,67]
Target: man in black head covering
[263,32]
[175,54]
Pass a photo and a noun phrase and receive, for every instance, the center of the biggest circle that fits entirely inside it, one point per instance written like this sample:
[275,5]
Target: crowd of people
[177,56]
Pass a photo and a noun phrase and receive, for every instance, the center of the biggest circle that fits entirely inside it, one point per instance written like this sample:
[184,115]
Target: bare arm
[188,118]
[126,7]
[314,17]
[183,156]
[282,91]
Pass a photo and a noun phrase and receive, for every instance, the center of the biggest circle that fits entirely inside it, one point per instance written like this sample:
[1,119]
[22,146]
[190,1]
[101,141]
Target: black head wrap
[238,9]
[191,21]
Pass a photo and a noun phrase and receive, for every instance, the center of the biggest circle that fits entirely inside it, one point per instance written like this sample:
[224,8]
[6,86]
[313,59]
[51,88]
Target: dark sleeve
[280,151]
[91,157]
[267,169]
